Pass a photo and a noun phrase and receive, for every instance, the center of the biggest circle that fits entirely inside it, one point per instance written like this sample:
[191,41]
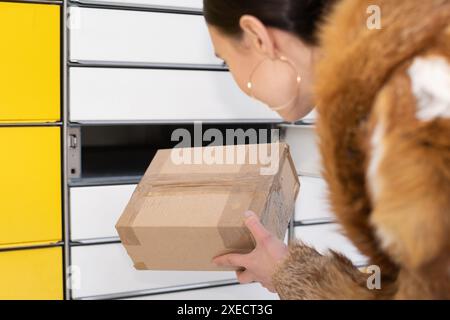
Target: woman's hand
[260,264]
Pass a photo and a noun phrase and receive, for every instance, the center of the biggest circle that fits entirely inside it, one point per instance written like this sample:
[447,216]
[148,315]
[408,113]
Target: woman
[379,73]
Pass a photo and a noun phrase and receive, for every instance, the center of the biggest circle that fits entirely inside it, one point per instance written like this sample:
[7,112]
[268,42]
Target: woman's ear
[257,36]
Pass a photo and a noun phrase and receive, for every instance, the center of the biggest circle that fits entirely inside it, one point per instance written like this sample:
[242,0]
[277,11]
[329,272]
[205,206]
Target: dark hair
[300,17]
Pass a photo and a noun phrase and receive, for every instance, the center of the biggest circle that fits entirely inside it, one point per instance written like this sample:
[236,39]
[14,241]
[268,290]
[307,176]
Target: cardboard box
[189,207]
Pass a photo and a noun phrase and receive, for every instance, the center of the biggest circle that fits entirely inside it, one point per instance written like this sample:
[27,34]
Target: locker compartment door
[150,37]
[99,94]
[29,62]
[170,4]
[30,185]
[312,204]
[328,237]
[94,211]
[107,269]
[31,274]
[304,149]
[253,291]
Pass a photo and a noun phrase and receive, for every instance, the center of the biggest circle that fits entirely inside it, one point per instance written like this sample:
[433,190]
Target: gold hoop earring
[250,85]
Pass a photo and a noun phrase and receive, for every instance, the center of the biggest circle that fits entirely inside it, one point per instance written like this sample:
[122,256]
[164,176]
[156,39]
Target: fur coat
[383,99]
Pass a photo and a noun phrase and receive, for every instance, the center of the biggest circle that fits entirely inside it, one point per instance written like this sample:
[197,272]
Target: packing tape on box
[241,183]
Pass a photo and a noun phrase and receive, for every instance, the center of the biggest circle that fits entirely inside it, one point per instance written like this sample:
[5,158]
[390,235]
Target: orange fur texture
[398,212]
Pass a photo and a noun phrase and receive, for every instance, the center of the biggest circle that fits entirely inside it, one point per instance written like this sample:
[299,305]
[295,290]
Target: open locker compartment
[104,154]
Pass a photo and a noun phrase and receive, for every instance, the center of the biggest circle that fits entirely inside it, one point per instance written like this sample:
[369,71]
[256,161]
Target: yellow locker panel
[30,185]
[35,274]
[29,62]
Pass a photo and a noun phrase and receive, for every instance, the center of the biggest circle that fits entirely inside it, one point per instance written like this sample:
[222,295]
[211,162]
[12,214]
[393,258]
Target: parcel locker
[105,267]
[135,67]
[29,62]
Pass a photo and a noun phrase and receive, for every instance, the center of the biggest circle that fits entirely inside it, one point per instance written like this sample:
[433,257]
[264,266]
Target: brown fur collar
[356,64]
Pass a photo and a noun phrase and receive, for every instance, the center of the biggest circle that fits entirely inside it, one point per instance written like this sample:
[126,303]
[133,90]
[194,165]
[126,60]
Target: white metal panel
[94,211]
[252,291]
[304,150]
[189,4]
[310,118]
[135,94]
[327,236]
[312,203]
[107,269]
[136,36]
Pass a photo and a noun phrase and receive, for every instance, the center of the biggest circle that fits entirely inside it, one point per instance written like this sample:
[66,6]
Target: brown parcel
[182,215]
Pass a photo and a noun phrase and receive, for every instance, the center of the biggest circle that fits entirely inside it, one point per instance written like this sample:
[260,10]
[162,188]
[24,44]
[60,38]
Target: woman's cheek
[241,78]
